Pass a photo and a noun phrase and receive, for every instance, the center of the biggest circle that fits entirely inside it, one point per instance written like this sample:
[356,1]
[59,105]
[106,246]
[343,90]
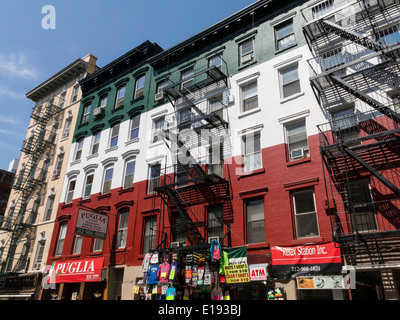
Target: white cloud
[15,65]
[9,119]
[6,91]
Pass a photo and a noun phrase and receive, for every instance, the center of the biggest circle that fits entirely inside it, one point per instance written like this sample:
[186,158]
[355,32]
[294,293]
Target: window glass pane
[304,201]
[78,244]
[121,92]
[249,90]
[284,30]
[255,221]
[247,47]
[289,75]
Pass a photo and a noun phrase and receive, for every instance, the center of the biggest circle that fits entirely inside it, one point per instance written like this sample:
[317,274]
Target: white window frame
[78,239]
[70,192]
[128,179]
[134,127]
[79,149]
[114,133]
[283,85]
[249,222]
[103,101]
[156,130]
[86,113]
[39,255]
[297,215]
[119,101]
[139,91]
[288,137]
[104,187]
[84,195]
[280,26]
[249,56]
[122,232]
[95,143]
[75,93]
[61,239]
[256,154]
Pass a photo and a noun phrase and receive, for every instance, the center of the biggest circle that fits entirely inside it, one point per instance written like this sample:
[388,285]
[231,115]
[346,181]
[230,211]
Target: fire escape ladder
[365,98]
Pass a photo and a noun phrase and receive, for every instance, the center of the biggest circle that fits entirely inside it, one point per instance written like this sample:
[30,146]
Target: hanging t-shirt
[152,274]
[154,258]
[217,293]
[163,272]
[170,294]
[146,262]
[215,250]
[173,271]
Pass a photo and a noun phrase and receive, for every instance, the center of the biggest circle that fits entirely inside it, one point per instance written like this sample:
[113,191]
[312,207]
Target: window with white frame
[97,245]
[39,255]
[187,77]
[216,106]
[70,190]
[120,97]
[62,100]
[305,214]
[96,142]
[149,238]
[59,163]
[61,238]
[296,138]
[249,96]
[107,180]
[255,220]
[103,102]
[49,208]
[77,244]
[129,172]
[86,113]
[322,9]
[75,92]
[247,53]
[122,231]
[345,124]
[114,136]
[87,190]
[78,150]
[67,127]
[158,127]
[154,177]
[252,152]
[289,81]
[215,61]
[135,124]
[160,95]
[139,89]
[284,35]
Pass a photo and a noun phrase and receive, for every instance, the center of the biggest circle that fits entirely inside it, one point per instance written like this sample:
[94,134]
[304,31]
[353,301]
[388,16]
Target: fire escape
[195,133]
[28,183]
[355,77]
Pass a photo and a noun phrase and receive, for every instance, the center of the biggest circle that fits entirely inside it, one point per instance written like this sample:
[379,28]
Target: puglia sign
[91,224]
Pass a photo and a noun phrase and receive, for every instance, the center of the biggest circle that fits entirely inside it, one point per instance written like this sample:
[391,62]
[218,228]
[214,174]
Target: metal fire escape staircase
[196,184]
[21,220]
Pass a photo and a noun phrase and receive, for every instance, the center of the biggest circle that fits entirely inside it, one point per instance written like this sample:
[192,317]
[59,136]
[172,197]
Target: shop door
[368,286]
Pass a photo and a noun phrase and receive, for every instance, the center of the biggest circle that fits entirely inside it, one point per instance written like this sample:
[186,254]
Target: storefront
[76,280]
[21,287]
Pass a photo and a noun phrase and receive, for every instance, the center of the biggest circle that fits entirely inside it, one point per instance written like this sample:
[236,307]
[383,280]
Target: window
[88,185]
[290,82]
[255,221]
[97,245]
[67,127]
[129,173]
[154,177]
[160,90]
[187,77]
[284,35]
[120,97]
[305,214]
[345,125]
[78,151]
[59,163]
[249,96]
[139,87]
[216,61]
[103,102]
[96,142]
[361,206]
[39,255]
[77,244]
[70,192]
[61,238]
[135,123]
[158,126]
[322,9]
[252,152]
[45,169]
[390,35]
[108,174]
[49,208]
[75,94]
[114,136]
[86,113]
[122,229]
[296,136]
[62,100]
[215,225]
[216,106]
[150,227]
[178,229]
[247,51]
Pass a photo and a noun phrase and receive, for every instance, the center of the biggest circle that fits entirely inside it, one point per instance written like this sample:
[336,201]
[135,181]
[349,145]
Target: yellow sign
[237,273]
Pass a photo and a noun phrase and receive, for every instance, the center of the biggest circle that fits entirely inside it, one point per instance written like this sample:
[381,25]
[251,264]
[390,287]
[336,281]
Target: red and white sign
[86,270]
[91,224]
[258,272]
[315,259]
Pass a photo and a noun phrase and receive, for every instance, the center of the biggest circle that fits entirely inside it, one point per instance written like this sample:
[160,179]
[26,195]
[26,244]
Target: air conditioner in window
[174,244]
[159,96]
[247,57]
[98,111]
[297,153]
[210,239]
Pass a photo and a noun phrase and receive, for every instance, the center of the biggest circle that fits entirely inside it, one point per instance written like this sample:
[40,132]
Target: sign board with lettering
[237,273]
[258,272]
[91,224]
[306,260]
[322,282]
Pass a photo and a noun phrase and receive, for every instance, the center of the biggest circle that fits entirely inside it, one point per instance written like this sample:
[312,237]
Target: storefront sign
[91,224]
[317,259]
[321,282]
[258,272]
[237,255]
[86,270]
[237,273]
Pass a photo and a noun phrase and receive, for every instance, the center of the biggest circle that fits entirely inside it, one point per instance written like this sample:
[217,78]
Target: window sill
[251,173]
[117,109]
[292,97]
[155,144]
[111,149]
[75,162]
[125,190]
[131,141]
[104,196]
[256,246]
[244,66]
[94,155]
[299,161]
[149,196]
[246,113]
[308,241]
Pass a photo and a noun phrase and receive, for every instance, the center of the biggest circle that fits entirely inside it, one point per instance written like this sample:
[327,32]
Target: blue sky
[30,54]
